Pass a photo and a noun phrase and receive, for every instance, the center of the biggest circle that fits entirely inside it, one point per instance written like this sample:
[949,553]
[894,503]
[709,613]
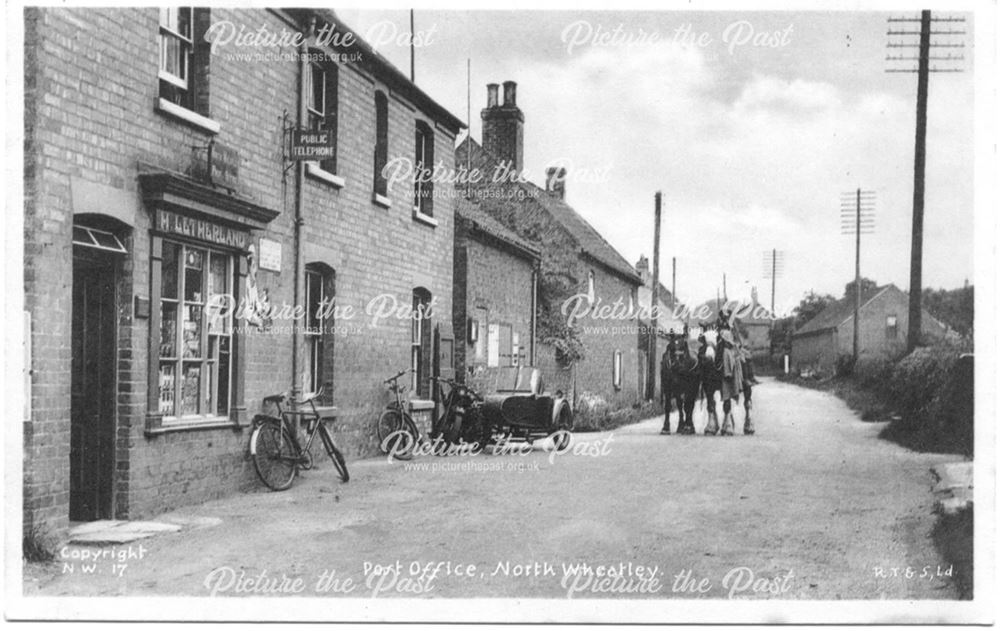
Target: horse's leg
[727,419]
[690,395]
[666,409]
[712,428]
[748,427]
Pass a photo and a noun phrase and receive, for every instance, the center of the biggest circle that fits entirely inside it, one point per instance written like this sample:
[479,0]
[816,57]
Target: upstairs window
[321,107]
[381,143]
[423,187]
[591,289]
[176,48]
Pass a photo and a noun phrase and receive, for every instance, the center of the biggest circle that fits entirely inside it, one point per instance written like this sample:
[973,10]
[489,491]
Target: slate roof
[589,240]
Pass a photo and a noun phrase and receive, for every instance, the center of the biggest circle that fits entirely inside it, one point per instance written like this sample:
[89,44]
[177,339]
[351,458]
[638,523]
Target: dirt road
[814,506]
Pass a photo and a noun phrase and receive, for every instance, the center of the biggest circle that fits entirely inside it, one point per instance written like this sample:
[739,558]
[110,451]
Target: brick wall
[492,281]
[91,85]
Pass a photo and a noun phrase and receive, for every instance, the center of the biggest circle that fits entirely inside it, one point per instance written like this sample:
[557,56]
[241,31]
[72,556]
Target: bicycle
[274,446]
[460,420]
[397,433]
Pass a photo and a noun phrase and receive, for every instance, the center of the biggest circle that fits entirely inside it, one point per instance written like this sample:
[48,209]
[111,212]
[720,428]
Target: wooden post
[919,160]
[654,303]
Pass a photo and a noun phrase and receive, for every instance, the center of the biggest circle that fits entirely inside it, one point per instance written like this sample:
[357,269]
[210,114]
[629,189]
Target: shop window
[423,187]
[616,370]
[321,108]
[196,332]
[420,343]
[381,143]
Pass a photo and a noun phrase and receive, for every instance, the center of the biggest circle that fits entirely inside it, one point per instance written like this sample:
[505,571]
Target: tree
[810,306]
[954,307]
[867,285]
[807,309]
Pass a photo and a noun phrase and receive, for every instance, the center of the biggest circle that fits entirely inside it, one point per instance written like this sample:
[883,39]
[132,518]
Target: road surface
[814,506]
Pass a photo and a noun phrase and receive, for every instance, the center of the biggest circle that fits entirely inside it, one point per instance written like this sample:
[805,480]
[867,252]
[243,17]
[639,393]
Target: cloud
[763,170]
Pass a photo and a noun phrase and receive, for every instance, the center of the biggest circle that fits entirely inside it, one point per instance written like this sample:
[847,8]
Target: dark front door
[92,406]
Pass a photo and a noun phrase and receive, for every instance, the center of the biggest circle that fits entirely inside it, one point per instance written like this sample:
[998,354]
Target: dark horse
[679,379]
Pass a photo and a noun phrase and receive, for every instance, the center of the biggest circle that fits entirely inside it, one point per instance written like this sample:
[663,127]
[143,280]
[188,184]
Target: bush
[873,372]
[594,414]
[844,366]
[932,387]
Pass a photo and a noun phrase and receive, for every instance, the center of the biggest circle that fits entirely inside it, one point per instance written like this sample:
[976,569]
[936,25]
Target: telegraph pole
[774,266]
[923,70]
[860,204]
[655,301]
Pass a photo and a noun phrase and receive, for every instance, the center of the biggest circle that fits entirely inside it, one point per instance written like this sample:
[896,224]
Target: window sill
[185,115]
[188,425]
[380,200]
[419,405]
[314,170]
[422,218]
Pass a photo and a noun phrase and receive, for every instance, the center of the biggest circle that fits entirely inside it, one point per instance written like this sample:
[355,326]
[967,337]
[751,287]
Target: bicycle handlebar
[398,375]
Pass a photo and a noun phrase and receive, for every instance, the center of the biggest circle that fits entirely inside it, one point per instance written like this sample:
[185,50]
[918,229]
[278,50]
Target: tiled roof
[589,240]
[483,221]
[838,312]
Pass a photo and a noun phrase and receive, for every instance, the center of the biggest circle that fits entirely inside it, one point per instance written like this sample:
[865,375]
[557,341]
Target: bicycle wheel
[397,434]
[273,454]
[390,421]
[401,442]
[335,455]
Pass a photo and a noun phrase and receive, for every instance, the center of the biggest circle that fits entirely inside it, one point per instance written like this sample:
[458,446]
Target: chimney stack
[555,182]
[642,268]
[503,126]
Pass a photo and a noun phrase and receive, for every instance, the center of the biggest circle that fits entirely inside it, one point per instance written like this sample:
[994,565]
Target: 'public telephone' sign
[313,145]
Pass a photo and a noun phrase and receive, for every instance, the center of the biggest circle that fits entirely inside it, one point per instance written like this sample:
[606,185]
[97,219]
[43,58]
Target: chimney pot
[491,94]
[509,94]
[555,182]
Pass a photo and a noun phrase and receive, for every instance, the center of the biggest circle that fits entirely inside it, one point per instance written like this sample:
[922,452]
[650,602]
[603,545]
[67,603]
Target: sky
[752,129]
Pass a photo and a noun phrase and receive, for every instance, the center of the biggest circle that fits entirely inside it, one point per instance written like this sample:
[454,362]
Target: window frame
[327,116]
[420,343]
[892,330]
[186,45]
[380,184]
[209,363]
[423,192]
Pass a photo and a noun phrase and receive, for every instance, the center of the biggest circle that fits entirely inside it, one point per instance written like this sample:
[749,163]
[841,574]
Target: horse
[679,381]
[714,346]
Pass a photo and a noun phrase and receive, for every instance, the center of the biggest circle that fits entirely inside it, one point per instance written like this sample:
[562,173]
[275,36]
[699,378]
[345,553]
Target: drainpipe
[534,311]
[300,166]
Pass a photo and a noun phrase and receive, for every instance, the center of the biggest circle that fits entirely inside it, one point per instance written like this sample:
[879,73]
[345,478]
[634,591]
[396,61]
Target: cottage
[496,277]
[576,261]
[884,314]
[180,265]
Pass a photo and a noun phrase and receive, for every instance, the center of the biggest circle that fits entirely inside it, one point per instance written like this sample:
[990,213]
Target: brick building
[573,254]
[157,197]
[494,294]
[884,314]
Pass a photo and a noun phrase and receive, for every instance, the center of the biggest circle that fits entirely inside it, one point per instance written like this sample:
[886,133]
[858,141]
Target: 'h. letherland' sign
[312,145]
